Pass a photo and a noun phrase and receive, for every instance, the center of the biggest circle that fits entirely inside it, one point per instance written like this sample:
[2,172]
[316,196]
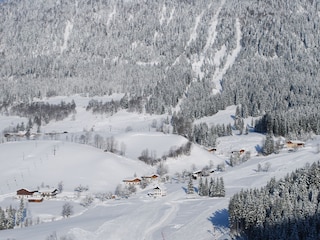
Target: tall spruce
[190,188]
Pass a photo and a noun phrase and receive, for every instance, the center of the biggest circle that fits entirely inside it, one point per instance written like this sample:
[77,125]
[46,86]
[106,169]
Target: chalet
[25,193]
[295,144]
[197,174]
[151,178]
[134,181]
[157,192]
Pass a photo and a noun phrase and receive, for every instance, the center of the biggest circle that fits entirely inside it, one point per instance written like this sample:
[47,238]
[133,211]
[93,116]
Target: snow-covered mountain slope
[171,55]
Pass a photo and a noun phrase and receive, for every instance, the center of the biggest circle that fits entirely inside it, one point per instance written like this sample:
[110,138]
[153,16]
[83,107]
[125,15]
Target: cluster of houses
[39,195]
[154,178]
[36,195]
[290,144]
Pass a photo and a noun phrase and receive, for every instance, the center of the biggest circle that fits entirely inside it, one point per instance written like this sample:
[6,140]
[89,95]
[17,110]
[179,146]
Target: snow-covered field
[37,163]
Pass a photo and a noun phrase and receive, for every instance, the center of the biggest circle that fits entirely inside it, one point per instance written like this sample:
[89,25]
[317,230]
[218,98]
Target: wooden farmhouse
[134,181]
[25,193]
[151,178]
[295,144]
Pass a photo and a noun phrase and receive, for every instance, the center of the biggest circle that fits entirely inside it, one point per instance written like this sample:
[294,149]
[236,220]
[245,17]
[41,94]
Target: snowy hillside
[45,162]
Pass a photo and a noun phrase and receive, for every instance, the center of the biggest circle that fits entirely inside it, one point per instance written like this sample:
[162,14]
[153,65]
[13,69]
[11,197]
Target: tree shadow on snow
[220,218]
[258,148]
[186,190]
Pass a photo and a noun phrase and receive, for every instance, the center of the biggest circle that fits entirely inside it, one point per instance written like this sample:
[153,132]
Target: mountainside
[195,57]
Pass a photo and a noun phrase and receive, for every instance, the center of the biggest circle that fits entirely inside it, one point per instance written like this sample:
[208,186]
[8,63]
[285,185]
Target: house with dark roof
[25,193]
[133,181]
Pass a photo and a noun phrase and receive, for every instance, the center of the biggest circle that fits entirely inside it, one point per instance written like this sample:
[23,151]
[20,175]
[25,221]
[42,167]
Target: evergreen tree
[217,188]
[201,187]
[222,192]
[268,146]
[20,213]
[212,192]
[206,188]
[190,189]
[10,218]
[3,220]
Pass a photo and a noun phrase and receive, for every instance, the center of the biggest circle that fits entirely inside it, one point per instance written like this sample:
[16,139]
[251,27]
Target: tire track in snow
[171,212]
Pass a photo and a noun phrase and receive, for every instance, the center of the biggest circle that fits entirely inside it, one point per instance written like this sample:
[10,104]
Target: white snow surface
[37,163]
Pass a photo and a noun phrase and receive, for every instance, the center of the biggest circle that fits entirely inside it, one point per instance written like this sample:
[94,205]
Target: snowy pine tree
[268,146]
[190,188]
[20,213]
[212,192]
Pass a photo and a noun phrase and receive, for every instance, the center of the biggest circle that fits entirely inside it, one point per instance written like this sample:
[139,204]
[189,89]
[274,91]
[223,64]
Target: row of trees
[40,112]
[108,107]
[215,188]
[237,158]
[288,208]
[294,123]
[150,157]
[11,217]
